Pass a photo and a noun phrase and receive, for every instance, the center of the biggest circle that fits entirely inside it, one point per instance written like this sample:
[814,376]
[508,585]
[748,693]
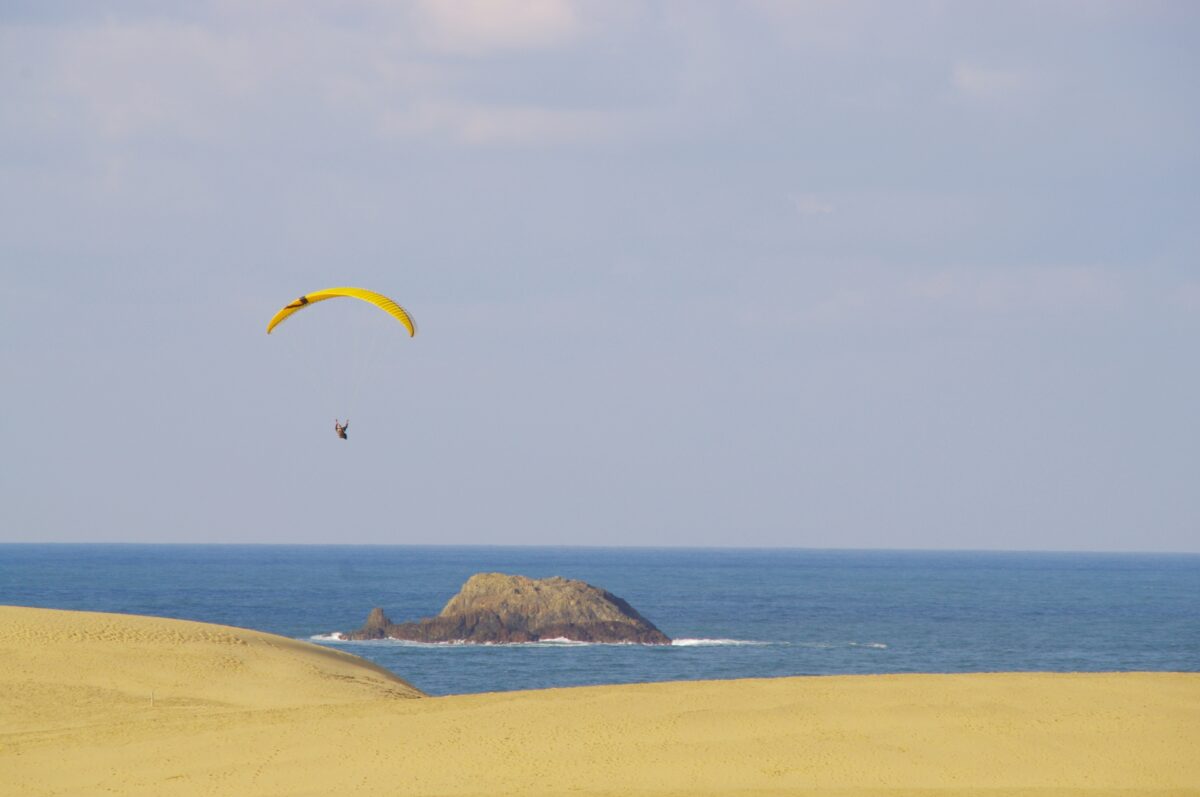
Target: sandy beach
[127,705]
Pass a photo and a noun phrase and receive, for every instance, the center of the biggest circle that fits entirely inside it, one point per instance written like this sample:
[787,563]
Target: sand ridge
[245,713]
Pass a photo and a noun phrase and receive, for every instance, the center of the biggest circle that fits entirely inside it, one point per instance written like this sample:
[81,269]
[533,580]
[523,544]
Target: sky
[813,274]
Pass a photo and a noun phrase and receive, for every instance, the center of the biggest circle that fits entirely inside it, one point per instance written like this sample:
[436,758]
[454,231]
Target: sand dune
[125,705]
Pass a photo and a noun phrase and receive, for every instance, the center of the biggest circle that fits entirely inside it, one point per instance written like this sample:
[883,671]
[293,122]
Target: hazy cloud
[1055,289]
[166,78]
[179,78]
[1187,296]
[987,83]
[483,26]
[811,205]
[490,125]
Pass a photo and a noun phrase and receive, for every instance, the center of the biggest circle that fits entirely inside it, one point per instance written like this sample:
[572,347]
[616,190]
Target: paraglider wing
[377,299]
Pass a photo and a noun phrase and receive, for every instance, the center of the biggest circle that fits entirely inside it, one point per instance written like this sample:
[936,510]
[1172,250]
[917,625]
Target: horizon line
[605,547]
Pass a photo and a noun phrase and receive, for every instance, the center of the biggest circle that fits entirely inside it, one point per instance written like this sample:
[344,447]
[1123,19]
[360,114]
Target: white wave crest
[340,639]
[562,642]
[700,643]
[553,642]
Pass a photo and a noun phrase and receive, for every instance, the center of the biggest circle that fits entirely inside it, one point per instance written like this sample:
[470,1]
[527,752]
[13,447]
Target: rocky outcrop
[494,607]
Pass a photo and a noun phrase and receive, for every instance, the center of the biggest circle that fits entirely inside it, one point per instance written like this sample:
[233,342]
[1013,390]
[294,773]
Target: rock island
[496,607]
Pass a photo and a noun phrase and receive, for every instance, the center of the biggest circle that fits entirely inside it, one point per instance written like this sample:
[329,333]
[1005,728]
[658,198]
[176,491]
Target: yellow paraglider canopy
[377,299]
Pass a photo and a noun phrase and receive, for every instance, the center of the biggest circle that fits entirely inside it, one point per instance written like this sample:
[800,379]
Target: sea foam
[701,643]
[553,642]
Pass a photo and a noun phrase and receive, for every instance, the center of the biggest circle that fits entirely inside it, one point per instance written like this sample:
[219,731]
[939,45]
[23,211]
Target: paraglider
[377,299]
[371,297]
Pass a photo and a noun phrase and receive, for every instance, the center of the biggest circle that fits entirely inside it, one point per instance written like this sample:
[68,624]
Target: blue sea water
[733,613]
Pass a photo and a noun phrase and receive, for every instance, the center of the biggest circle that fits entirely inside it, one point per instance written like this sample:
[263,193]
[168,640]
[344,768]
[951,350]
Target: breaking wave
[562,642]
[556,642]
[703,643]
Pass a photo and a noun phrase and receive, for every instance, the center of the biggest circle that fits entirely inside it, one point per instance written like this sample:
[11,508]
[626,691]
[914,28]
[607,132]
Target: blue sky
[901,275]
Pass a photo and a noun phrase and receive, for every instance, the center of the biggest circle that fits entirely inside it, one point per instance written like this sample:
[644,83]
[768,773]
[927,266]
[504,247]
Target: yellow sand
[94,704]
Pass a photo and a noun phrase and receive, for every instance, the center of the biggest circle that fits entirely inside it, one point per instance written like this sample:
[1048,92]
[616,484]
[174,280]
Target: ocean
[733,613]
